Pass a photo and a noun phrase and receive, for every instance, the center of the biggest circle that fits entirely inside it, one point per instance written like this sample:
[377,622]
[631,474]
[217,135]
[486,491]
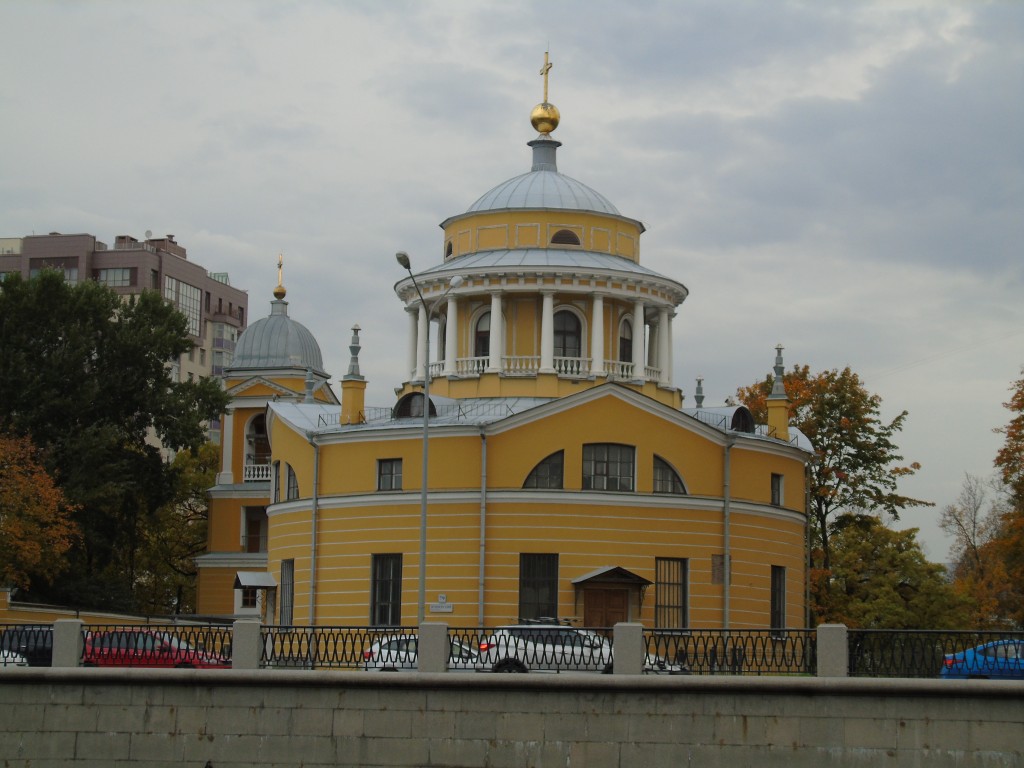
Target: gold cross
[544,71]
[280,263]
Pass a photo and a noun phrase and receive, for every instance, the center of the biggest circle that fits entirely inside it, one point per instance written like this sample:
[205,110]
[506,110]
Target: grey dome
[277,341]
[543,187]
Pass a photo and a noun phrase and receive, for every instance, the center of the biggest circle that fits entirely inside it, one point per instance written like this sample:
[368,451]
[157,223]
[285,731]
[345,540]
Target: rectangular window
[671,577]
[250,597]
[608,467]
[115,277]
[287,592]
[389,475]
[386,590]
[778,607]
[538,586]
[777,489]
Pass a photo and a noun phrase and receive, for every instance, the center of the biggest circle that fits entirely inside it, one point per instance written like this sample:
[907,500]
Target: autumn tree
[857,465]
[36,530]
[881,579]
[84,372]
[175,535]
[1010,458]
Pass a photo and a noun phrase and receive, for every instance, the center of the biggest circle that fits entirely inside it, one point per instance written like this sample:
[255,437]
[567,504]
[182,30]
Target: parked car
[12,659]
[33,641]
[391,653]
[998,660]
[146,648]
[557,648]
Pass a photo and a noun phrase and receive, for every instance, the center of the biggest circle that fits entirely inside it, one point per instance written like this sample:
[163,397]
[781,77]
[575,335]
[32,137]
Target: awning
[611,574]
[257,579]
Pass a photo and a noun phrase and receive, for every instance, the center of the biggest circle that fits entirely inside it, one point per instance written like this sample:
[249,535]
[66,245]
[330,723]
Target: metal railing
[736,651]
[171,645]
[911,652]
[322,647]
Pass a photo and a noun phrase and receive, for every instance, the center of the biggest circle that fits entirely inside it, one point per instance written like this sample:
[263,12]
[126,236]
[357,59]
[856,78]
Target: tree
[881,579]
[1010,458]
[856,464]
[176,534]
[84,371]
[35,522]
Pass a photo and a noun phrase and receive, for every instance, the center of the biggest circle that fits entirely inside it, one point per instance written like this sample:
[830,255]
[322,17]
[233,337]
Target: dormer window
[565,237]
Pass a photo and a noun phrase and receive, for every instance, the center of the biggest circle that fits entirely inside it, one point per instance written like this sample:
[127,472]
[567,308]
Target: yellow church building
[540,465]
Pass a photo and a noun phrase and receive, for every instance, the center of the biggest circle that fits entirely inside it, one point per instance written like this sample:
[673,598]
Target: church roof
[513,258]
[543,189]
[277,341]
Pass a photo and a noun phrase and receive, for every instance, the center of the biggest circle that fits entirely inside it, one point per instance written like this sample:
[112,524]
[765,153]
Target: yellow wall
[534,228]
[588,530]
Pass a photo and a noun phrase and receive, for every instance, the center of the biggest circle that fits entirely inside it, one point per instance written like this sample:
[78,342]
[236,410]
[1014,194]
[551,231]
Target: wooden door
[605,607]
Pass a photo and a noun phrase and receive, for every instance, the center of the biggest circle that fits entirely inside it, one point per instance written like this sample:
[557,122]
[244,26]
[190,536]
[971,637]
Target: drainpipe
[483,527]
[727,556]
[315,508]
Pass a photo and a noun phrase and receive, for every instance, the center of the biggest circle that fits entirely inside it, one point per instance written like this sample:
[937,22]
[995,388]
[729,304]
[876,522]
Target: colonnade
[651,344]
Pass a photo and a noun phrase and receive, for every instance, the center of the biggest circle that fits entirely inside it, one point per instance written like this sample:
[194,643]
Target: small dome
[277,341]
[543,189]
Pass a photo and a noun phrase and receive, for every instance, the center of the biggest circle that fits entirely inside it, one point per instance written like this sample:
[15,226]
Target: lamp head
[455,282]
[403,259]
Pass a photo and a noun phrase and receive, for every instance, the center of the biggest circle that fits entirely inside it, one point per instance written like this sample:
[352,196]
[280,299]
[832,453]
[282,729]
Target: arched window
[626,342]
[567,334]
[548,473]
[293,484]
[666,479]
[482,336]
[412,406]
[565,237]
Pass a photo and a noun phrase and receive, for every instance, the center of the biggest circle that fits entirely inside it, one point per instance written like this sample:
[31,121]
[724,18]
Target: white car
[552,647]
[391,653]
[12,659]
[556,648]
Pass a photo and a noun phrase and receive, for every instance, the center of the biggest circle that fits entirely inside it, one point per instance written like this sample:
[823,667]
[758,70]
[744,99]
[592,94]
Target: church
[540,463]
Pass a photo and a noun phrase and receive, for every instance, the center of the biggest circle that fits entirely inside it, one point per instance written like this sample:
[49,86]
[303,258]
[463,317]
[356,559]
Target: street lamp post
[403,259]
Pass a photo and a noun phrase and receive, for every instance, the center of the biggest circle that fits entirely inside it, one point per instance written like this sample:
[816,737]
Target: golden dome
[545,117]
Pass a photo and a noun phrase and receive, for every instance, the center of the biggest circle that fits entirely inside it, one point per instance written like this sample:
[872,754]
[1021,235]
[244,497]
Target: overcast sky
[844,178]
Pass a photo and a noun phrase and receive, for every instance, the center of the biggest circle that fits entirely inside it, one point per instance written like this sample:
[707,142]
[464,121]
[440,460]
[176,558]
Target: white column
[227,439]
[638,340]
[547,333]
[597,336]
[413,344]
[451,336]
[664,336]
[497,334]
[671,354]
[421,348]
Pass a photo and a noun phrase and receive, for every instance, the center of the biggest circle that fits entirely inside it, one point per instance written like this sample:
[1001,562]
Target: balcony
[529,365]
[256,473]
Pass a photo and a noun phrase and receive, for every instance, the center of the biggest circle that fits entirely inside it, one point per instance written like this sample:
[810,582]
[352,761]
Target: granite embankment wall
[220,718]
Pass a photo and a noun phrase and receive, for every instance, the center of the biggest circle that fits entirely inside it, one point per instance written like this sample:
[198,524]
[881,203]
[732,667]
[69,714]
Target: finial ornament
[545,116]
[544,71]
[279,292]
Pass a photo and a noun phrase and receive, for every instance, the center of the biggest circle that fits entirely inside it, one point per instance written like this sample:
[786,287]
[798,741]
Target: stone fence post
[630,655]
[833,651]
[246,644]
[433,647]
[67,642]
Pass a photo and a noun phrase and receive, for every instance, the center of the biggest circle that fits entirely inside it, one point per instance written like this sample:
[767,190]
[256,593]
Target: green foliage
[881,579]
[857,464]
[175,535]
[83,371]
